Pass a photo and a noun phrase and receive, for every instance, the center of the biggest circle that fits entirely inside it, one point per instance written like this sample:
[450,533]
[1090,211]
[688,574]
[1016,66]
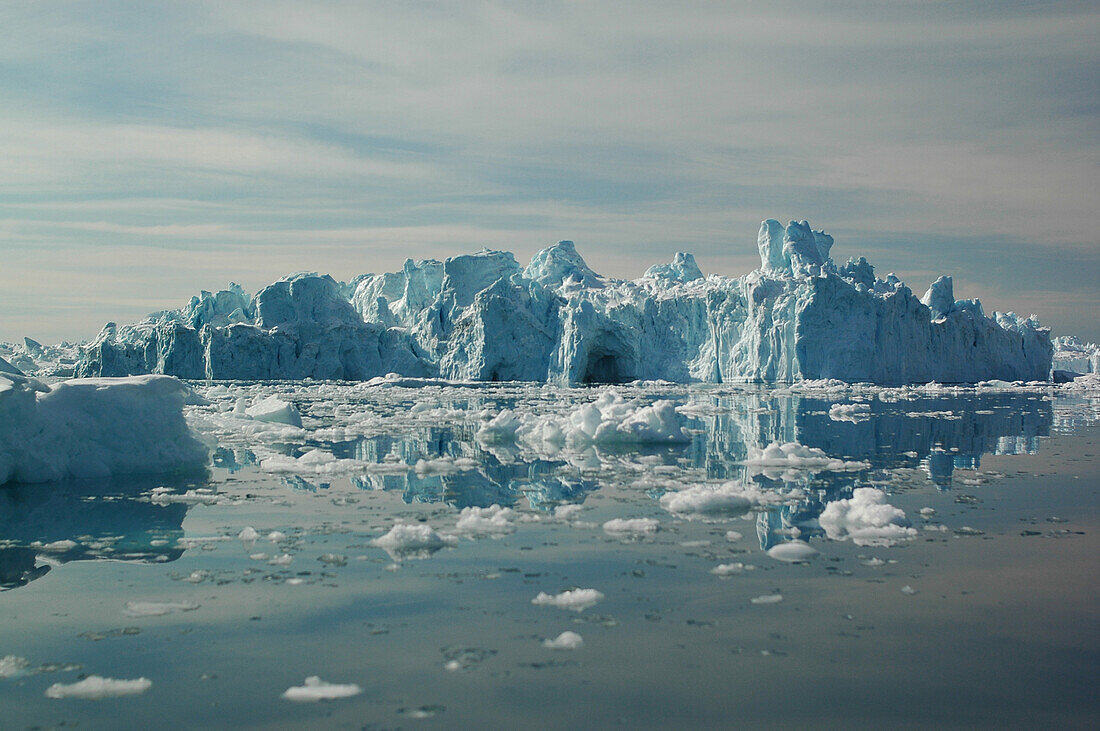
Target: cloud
[322,134]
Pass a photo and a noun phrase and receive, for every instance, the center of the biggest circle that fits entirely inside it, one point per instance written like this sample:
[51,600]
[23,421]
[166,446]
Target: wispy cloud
[256,137]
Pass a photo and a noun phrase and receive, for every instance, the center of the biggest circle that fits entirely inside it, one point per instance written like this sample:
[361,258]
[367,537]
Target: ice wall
[94,428]
[484,317]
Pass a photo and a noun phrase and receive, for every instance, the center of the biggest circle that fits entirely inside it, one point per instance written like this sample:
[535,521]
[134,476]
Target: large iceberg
[93,428]
[484,317]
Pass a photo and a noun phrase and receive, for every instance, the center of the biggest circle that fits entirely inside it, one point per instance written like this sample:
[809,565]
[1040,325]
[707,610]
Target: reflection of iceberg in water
[938,434]
[47,525]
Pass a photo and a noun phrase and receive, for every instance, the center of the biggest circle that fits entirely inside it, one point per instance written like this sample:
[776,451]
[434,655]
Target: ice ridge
[483,317]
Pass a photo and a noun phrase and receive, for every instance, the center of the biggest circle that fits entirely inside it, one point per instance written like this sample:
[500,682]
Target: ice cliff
[485,317]
[94,428]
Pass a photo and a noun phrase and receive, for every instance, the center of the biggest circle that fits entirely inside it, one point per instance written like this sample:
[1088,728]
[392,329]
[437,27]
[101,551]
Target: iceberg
[94,428]
[484,317]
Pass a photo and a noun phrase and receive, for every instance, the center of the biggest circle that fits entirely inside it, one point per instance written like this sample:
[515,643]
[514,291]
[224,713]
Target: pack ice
[483,317]
[94,427]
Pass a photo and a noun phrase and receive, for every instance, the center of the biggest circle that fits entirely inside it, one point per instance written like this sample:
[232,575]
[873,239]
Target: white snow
[314,689]
[866,518]
[576,600]
[95,687]
[565,641]
[94,428]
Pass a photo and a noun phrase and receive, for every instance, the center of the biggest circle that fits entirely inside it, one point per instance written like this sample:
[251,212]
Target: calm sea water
[984,613]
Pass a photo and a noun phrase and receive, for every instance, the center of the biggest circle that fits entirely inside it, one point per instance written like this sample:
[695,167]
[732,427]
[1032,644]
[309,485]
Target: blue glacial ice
[484,317]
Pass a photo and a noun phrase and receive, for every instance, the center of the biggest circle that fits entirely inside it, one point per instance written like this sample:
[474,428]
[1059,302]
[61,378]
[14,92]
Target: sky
[150,150]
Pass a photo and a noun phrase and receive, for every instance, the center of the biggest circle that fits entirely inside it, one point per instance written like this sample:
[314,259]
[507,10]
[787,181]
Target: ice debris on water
[866,518]
[157,609]
[95,687]
[493,521]
[12,665]
[565,641]
[719,501]
[276,411]
[767,599]
[793,552]
[792,455]
[626,527]
[728,569]
[576,600]
[407,540]
[314,689]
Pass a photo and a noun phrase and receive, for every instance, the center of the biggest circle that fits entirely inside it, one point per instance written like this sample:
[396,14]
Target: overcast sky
[149,150]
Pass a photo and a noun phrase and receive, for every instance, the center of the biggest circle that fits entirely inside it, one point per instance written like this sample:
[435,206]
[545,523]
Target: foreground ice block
[484,317]
[94,428]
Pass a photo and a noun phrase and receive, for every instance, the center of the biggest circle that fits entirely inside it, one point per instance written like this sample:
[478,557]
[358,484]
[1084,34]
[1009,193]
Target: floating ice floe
[12,665]
[314,689]
[565,641]
[275,411]
[729,569]
[407,540]
[853,413]
[867,519]
[491,521]
[94,428]
[576,600]
[720,501]
[95,687]
[793,455]
[793,552]
[627,527]
[767,599]
[157,609]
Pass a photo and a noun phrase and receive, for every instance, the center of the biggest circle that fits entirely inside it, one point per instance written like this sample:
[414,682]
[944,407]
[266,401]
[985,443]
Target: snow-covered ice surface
[484,317]
[444,548]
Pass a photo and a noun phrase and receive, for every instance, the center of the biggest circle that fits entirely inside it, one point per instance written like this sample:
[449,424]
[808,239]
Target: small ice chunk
[767,599]
[248,535]
[410,541]
[732,535]
[316,689]
[866,518]
[709,501]
[60,546]
[284,559]
[565,641]
[492,521]
[728,569]
[792,455]
[95,687]
[793,552]
[908,590]
[625,527]
[576,600]
[276,536]
[157,609]
[566,512]
[275,411]
[12,665]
